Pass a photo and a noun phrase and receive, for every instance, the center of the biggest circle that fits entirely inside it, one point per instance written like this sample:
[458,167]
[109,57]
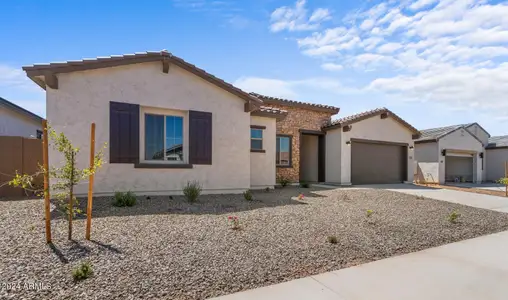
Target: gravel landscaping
[166,248]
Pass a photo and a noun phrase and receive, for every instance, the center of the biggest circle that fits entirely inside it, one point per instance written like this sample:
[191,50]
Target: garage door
[459,167]
[378,163]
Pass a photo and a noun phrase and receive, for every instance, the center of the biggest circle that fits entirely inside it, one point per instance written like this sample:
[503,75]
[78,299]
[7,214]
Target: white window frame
[163,112]
[279,152]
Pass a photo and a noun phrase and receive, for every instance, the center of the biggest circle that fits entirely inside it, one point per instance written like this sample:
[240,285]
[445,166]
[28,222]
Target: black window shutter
[123,132]
[200,138]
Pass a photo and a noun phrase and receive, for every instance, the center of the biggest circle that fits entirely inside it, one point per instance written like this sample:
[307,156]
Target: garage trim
[378,142]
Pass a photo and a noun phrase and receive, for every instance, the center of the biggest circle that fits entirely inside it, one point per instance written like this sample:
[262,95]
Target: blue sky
[433,62]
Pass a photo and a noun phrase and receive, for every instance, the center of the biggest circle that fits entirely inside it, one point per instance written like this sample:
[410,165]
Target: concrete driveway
[481,186]
[471,199]
[467,270]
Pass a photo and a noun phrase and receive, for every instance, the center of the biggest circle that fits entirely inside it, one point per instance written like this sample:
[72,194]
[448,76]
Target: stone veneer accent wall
[296,119]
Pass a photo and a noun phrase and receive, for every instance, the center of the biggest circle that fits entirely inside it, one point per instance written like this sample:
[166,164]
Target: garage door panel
[373,163]
[459,167]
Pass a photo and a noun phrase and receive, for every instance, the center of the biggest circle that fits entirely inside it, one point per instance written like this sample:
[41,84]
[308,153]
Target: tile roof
[436,133]
[287,102]
[267,111]
[21,110]
[365,115]
[139,57]
[498,142]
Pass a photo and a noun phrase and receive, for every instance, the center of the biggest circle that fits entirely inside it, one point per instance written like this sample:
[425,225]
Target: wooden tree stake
[46,180]
[90,183]
[71,195]
[506,176]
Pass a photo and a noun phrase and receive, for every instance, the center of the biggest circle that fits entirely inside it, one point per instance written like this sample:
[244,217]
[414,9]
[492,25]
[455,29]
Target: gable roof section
[119,60]
[475,123]
[434,134]
[292,103]
[366,115]
[20,110]
[498,142]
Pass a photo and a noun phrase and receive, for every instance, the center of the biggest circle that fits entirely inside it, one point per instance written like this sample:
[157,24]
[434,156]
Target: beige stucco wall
[13,123]
[309,158]
[378,129]
[495,163]
[83,97]
[461,140]
[426,157]
[333,154]
[262,165]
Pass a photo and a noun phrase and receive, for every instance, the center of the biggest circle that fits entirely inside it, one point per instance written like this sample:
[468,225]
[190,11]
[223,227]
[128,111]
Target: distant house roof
[287,102]
[368,114]
[267,111]
[434,134]
[48,70]
[498,142]
[20,110]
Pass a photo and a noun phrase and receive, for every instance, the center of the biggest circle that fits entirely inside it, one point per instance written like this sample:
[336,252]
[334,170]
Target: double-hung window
[164,138]
[283,151]
[256,139]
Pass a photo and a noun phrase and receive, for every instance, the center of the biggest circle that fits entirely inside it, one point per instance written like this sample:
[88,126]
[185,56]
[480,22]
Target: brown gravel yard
[166,248]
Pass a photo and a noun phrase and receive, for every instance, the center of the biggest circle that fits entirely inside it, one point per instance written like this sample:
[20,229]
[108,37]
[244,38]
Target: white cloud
[296,19]
[331,67]
[266,86]
[389,48]
[446,51]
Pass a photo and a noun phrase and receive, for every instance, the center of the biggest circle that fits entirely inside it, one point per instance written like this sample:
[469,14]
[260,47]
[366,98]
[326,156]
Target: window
[283,154]
[39,134]
[164,138]
[256,139]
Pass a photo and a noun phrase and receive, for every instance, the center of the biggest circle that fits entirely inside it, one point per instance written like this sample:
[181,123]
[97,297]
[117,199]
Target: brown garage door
[378,163]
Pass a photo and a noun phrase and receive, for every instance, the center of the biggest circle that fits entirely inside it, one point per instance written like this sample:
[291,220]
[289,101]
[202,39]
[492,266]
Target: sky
[432,62]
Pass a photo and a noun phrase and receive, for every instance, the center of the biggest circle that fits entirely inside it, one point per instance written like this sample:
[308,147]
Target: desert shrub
[122,199]
[453,217]
[234,222]
[332,239]
[283,181]
[369,213]
[83,271]
[248,195]
[420,197]
[192,191]
[304,184]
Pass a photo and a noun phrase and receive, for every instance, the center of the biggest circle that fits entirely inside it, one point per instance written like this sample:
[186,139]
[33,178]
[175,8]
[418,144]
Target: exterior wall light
[348,143]
[443,152]
[481,154]
[411,147]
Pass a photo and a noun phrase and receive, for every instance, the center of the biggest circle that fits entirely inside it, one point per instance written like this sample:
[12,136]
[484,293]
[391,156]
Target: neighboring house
[300,154]
[452,153]
[497,156]
[17,121]
[166,123]
[369,148]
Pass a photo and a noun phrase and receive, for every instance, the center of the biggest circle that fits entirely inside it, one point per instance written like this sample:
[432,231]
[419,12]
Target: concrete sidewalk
[472,269]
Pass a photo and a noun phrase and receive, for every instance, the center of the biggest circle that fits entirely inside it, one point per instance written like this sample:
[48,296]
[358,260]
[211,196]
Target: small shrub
[122,199]
[283,181]
[248,195]
[420,197]
[369,213]
[192,191]
[304,184]
[234,222]
[332,239]
[453,217]
[83,271]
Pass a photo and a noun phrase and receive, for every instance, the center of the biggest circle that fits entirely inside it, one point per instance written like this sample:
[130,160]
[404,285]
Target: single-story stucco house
[452,153]
[17,121]
[497,156]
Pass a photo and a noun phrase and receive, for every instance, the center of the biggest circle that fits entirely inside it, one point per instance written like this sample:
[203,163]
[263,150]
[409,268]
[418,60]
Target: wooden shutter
[200,138]
[123,132]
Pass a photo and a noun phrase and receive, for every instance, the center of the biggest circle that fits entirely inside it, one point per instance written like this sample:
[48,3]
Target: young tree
[65,177]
